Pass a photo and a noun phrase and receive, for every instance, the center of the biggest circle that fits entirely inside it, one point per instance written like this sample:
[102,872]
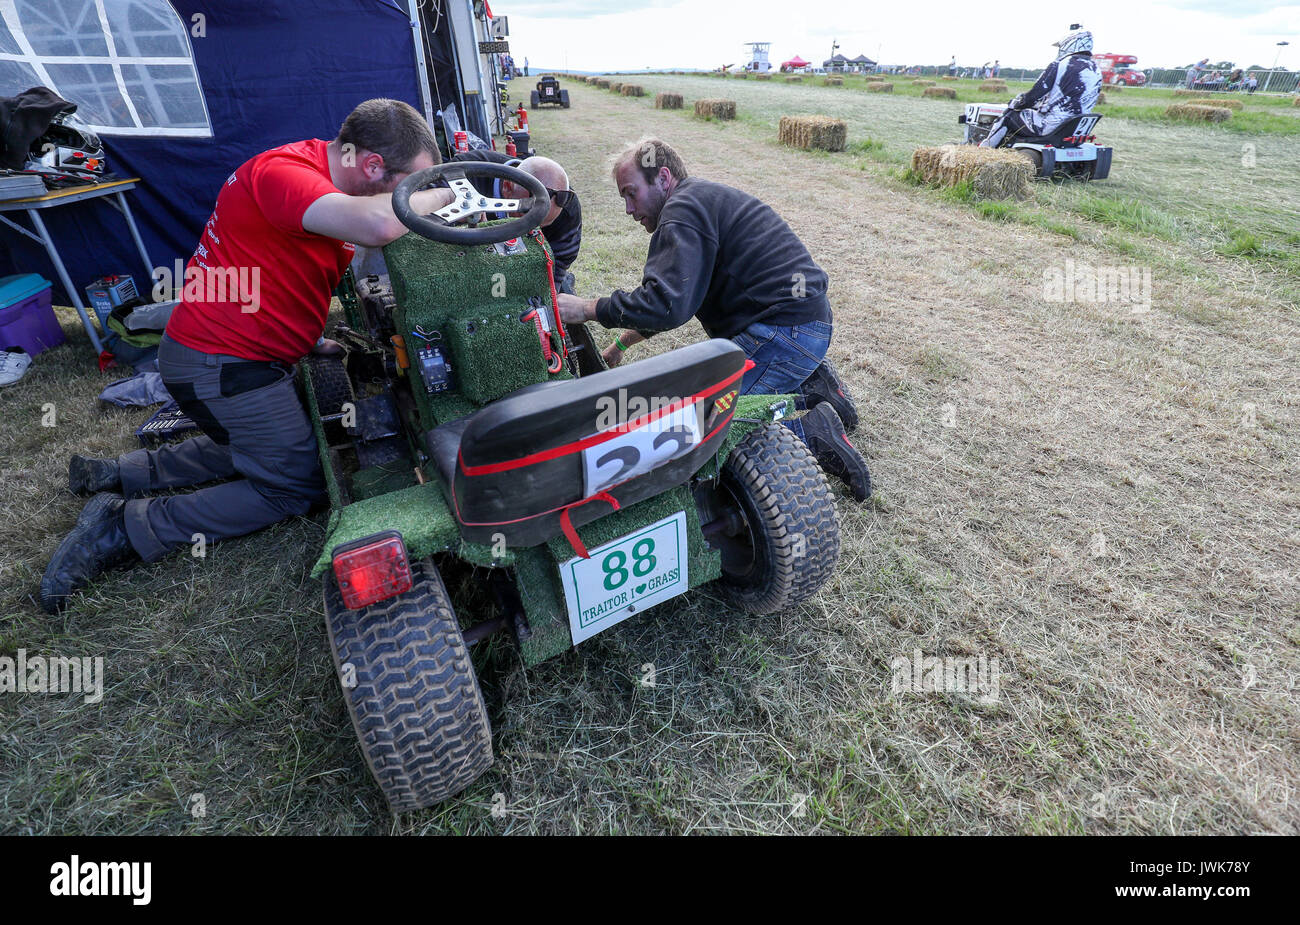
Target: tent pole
[417,35]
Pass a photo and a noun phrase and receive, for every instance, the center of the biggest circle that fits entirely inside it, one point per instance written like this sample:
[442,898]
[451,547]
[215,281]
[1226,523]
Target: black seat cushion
[585,446]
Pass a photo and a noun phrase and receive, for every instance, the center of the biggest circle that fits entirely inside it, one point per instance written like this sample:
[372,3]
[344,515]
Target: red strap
[571,532]
[555,299]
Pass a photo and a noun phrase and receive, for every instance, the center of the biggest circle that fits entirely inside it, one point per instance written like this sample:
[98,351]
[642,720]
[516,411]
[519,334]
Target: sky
[591,35]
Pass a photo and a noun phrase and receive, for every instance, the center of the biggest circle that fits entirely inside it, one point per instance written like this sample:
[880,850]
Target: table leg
[63,278]
[139,243]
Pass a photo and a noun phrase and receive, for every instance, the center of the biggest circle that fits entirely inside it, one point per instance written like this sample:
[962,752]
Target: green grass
[1245,122]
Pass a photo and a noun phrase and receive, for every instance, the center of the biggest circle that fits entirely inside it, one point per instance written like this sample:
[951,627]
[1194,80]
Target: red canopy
[796,61]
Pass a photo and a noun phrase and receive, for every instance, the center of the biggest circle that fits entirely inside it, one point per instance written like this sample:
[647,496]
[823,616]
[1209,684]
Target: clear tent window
[127,64]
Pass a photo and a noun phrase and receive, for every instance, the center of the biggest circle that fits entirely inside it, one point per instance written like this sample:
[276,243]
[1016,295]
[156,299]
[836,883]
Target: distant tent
[837,63]
[794,64]
[862,61]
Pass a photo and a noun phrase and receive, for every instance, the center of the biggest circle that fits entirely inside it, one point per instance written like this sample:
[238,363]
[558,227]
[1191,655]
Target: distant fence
[1272,81]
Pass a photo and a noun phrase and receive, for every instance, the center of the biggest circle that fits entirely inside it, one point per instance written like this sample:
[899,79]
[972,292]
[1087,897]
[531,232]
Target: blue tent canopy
[270,72]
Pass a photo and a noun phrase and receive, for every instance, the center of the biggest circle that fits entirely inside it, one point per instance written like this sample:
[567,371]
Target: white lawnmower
[1069,151]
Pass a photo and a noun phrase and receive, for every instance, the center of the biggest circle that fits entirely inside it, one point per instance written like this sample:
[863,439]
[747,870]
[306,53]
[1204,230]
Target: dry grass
[633,90]
[762,76]
[880,86]
[923,83]
[602,83]
[833,82]
[1219,103]
[1101,98]
[949,77]
[1192,113]
[1070,488]
[1115,88]
[993,86]
[616,87]
[943,93]
[821,133]
[1296,101]
[992,173]
[668,101]
[721,110]
[794,79]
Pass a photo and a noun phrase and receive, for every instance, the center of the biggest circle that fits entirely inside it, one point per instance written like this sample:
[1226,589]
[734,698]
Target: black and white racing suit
[1066,88]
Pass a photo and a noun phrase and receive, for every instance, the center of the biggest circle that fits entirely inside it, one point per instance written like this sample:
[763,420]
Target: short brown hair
[393,130]
[651,154]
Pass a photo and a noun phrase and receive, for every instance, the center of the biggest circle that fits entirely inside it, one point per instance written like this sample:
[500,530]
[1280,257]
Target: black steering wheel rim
[436,228]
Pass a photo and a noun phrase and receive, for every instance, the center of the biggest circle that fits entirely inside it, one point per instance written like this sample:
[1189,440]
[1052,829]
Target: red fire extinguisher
[510,148]
[522,115]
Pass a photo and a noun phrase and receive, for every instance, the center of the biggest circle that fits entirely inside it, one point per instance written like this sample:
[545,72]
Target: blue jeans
[784,357]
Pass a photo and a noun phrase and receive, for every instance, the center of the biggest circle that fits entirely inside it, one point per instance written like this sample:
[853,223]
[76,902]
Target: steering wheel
[445,225]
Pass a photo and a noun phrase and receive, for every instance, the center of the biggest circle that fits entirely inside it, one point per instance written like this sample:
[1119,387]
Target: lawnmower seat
[561,454]
[1057,139]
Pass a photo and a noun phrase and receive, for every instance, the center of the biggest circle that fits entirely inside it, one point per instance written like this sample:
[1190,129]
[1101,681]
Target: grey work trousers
[255,434]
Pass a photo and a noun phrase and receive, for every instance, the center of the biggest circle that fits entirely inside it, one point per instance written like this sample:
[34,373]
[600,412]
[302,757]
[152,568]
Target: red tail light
[372,569]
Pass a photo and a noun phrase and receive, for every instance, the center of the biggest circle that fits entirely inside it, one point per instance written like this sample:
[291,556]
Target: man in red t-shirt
[255,297]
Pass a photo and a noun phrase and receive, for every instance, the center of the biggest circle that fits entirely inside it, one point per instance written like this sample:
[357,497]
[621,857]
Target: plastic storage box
[26,316]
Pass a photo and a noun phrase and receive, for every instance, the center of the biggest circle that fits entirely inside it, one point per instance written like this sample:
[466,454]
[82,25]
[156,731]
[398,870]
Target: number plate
[638,451]
[1074,154]
[625,577]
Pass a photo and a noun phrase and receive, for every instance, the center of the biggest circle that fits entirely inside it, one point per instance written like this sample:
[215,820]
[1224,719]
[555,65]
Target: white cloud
[596,35]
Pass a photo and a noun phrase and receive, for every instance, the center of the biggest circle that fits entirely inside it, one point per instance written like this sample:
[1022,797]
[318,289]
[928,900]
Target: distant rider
[1068,87]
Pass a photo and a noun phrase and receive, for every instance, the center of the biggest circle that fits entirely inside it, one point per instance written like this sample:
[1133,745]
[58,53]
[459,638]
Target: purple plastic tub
[27,318]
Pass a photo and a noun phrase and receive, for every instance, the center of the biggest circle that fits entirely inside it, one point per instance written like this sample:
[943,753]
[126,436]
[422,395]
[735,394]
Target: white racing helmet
[1075,41]
[67,146]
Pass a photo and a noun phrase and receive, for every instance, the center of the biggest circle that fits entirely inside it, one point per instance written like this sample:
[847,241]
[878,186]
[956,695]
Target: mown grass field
[1103,501]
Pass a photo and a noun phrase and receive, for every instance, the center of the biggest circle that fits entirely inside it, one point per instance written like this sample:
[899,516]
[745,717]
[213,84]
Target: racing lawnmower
[548,93]
[1070,151]
[488,477]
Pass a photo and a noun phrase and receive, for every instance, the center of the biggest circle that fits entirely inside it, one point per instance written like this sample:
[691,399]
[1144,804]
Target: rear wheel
[782,539]
[533,100]
[411,691]
[564,98]
[1034,157]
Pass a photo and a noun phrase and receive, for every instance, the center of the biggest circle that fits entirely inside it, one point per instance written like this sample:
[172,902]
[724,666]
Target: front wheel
[781,540]
[411,691]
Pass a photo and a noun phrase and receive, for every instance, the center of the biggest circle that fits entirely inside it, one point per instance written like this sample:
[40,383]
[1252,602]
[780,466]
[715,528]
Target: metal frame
[116,191]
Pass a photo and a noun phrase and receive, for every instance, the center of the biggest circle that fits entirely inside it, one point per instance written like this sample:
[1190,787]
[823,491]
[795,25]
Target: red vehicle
[1118,69]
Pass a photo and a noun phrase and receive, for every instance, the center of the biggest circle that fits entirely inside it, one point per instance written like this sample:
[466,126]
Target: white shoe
[13,365]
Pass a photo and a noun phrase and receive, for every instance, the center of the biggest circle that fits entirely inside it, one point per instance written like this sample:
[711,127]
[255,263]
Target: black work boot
[97,543]
[88,476]
[824,433]
[825,385]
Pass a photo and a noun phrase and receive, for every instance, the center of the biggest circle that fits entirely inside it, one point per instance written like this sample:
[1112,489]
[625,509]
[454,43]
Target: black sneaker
[825,385]
[88,476]
[825,436]
[97,543]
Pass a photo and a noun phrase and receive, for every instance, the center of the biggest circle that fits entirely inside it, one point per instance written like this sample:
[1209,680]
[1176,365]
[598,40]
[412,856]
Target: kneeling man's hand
[574,310]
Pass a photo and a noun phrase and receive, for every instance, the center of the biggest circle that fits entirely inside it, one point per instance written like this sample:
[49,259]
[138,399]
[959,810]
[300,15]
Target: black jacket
[23,119]
[726,258]
[564,234]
